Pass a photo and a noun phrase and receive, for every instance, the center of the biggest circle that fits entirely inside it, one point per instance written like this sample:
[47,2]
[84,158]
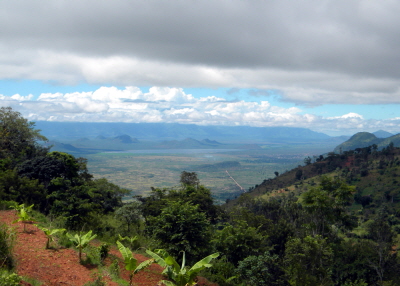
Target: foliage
[180,275]
[308,261]
[261,270]
[8,278]
[130,261]
[132,241]
[81,241]
[326,204]
[23,214]
[17,137]
[238,241]
[189,179]
[181,227]
[7,239]
[130,213]
[221,273]
[49,234]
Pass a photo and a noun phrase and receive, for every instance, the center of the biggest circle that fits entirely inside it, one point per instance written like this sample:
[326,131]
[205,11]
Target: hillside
[365,139]
[374,174]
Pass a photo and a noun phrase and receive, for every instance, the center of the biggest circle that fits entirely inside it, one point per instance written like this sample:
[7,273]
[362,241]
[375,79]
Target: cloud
[311,52]
[173,105]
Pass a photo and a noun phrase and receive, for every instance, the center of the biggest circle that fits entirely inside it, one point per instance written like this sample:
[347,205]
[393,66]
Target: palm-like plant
[180,275]
[81,241]
[23,214]
[49,234]
[131,262]
[130,240]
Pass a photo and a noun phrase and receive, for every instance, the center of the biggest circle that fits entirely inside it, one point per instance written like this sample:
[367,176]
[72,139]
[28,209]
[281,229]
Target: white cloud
[173,105]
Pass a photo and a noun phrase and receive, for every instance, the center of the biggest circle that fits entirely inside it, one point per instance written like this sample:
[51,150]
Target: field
[139,170]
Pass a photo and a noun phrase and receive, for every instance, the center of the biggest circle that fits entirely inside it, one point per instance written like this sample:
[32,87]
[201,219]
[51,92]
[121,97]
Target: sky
[331,66]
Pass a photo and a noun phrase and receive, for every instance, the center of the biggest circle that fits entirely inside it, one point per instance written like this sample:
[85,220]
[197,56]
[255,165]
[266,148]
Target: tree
[18,138]
[181,227]
[299,174]
[189,179]
[238,241]
[261,270]
[326,204]
[308,261]
[130,213]
[307,160]
[106,196]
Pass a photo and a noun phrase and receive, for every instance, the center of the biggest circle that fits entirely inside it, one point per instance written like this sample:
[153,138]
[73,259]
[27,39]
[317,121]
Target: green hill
[365,139]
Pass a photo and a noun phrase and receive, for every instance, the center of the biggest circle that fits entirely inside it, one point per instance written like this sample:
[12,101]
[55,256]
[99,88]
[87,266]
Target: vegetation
[130,262]
[333,221]
[81,241]
[180,275]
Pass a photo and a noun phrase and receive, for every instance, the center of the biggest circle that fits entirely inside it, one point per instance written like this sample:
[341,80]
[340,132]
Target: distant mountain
[365,139]
[188,143]
[61,147]
[382,134]
[126,139]
[173,131]
[210,142]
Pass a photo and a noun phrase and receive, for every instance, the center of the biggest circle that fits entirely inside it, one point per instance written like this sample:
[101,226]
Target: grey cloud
[348,46]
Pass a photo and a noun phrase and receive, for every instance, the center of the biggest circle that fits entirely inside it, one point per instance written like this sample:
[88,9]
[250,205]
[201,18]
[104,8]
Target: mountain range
[62,131]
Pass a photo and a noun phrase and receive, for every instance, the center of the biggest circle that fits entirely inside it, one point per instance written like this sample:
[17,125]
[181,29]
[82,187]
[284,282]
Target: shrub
[9,279]
[7,238]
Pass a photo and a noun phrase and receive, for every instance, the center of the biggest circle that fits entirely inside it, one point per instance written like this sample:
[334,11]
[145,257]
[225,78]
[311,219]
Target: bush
[7,239]
[9,279]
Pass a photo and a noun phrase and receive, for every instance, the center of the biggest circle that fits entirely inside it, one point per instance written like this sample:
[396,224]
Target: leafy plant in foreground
[181,275]
[81,241]
[49,234]
[131,262]
[23,214]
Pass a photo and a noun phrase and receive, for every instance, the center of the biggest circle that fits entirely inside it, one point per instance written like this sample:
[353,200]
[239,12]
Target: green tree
[181,227]
[130,213]
[238,241]
[189,179]
[326,204]
[106,196]
[261,270]
[18,138]
[308,261]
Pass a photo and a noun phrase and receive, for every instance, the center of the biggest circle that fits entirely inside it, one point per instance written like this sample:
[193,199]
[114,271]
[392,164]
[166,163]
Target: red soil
[61,266]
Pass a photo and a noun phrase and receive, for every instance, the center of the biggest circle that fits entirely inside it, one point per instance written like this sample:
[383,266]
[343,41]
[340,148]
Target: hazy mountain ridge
[173,131]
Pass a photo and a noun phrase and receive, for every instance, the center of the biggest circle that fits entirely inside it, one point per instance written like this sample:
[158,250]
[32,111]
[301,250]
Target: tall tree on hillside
[18,138]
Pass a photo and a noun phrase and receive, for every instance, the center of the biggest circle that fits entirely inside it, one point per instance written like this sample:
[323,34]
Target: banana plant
[23,214]
[130,240]
[180,275]
[49,234]
[131,262]
[81,241]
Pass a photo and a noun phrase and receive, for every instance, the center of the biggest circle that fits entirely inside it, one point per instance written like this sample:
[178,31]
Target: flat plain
[139,170]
